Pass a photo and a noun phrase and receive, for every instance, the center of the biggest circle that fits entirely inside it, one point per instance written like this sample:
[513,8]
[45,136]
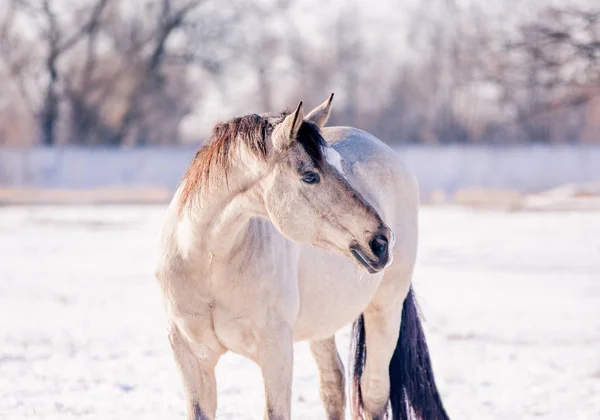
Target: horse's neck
[223,222]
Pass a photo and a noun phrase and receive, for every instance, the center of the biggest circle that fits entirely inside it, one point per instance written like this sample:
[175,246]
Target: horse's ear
[320,114]
[286,132]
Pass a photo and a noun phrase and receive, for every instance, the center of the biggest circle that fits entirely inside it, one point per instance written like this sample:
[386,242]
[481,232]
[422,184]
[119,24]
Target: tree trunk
[50,112]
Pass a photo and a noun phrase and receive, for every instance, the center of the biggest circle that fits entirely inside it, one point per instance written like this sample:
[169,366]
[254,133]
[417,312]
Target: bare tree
[549,68]
[117,78]
[129,72]
[58,43]
[169,19]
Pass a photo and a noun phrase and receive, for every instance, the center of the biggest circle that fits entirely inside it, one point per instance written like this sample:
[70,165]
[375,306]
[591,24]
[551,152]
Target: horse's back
[376,169]
[357,145]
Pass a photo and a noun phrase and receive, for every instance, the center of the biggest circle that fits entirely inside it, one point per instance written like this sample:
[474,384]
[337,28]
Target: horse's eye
[311,177]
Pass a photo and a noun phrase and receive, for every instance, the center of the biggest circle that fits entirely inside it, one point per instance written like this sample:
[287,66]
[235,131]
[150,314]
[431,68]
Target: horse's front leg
[276,358]
[196,355]
[331,377]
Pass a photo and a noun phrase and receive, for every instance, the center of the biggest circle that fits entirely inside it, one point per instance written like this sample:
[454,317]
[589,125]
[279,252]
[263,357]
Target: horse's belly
[333,292]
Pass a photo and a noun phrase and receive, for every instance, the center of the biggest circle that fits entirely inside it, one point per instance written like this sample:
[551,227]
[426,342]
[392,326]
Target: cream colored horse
[282,232]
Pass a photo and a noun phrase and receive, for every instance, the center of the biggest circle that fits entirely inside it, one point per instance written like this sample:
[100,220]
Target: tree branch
[90,26]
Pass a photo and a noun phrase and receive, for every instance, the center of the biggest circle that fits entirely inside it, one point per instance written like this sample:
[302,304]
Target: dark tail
[413,394]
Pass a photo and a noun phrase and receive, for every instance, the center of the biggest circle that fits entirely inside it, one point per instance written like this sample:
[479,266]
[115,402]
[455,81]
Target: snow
[511,301]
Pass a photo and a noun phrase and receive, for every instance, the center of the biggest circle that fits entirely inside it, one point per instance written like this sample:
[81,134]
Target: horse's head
[309,200]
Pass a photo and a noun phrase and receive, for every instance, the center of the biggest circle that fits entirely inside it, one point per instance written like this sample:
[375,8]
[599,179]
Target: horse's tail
[413,393]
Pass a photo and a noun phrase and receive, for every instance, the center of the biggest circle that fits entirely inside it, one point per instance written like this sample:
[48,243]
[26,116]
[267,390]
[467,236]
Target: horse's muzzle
[380,253]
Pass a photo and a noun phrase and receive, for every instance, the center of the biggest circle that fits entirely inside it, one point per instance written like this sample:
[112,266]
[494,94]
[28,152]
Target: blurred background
[495,105]
[83,81]
[161,72]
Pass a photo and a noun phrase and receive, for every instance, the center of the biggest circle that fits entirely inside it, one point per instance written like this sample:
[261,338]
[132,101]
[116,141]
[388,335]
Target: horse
[284,230]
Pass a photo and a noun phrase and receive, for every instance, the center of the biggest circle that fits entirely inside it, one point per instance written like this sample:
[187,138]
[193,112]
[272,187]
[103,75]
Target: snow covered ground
[512,306]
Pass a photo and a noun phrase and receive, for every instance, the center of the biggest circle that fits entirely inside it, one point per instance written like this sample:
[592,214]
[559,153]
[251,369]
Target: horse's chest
[234,331]
[333,292]
[247,306]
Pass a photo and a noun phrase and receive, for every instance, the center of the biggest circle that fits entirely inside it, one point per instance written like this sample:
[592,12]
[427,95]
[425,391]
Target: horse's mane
[251,131]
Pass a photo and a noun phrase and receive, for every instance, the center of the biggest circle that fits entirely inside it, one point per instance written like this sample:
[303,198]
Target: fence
[449,168]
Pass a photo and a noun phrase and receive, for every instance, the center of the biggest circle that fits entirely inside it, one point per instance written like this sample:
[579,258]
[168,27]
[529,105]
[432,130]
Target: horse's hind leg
[382,325]
[382,328]
[331,377]
[196,363]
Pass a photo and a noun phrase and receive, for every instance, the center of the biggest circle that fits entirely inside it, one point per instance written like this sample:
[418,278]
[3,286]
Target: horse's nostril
[379,245]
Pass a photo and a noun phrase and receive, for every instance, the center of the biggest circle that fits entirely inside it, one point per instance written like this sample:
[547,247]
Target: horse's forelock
[309,136]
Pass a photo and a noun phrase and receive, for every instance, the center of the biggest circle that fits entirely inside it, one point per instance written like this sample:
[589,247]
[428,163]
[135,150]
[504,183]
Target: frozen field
[512,302]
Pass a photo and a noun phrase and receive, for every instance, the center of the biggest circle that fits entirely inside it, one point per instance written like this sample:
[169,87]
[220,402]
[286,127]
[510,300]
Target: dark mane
[215,157]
